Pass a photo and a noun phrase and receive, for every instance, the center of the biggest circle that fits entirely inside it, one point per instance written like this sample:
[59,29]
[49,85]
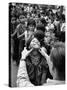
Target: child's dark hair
[31,22]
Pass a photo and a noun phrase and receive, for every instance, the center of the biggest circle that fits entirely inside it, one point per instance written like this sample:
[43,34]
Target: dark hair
[40,27]
[43,21]
[37,34]
[58,58]
[31,22]
[60,36]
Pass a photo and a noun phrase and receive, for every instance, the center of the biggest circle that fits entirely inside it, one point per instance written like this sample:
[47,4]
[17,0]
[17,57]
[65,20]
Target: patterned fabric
[24,81]
[37,70]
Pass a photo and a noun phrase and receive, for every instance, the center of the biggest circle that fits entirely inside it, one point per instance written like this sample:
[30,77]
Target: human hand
[43,52]
[25,53]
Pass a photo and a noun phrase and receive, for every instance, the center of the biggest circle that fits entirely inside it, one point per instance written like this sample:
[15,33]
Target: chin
[35,46]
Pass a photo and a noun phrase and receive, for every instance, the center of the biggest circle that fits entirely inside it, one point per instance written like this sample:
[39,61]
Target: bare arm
[22,77]
[12,35]
[20,36]
[43,52]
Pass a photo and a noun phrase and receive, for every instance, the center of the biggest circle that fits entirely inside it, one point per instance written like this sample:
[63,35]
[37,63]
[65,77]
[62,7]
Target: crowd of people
[37,32]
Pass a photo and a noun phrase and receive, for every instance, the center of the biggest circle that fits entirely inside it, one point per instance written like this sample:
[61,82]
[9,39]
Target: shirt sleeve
[22,76]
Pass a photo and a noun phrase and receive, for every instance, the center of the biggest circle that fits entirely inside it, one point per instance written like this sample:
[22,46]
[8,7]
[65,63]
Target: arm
[22,77]
[16,30]
[12,35]
[43,52]
[20,36]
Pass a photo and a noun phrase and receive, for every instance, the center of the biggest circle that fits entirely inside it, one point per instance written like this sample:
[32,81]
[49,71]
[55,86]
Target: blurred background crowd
[46,22]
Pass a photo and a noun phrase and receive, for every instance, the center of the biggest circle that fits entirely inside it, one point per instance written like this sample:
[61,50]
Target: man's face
[21,18]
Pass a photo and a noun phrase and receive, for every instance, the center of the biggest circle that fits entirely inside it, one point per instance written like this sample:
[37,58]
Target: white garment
[54,82]
[23,79]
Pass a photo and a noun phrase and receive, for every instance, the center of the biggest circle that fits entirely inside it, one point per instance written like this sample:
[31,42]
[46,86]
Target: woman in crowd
[36,65]
[56,63]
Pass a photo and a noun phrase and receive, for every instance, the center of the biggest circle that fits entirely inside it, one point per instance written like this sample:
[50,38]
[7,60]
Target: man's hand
[25,53]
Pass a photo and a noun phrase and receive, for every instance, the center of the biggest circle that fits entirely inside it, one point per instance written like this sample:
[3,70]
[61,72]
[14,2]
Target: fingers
[24,48]
[43,52]
[30,50]
[27,50]
[40,50]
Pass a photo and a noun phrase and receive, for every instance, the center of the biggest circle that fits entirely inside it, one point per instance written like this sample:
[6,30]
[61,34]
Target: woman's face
[35,43]
[35,56]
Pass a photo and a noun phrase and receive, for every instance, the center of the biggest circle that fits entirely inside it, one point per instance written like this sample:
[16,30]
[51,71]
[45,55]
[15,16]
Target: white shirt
[23,79]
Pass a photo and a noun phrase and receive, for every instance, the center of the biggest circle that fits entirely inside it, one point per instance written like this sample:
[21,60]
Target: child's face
[31,27]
